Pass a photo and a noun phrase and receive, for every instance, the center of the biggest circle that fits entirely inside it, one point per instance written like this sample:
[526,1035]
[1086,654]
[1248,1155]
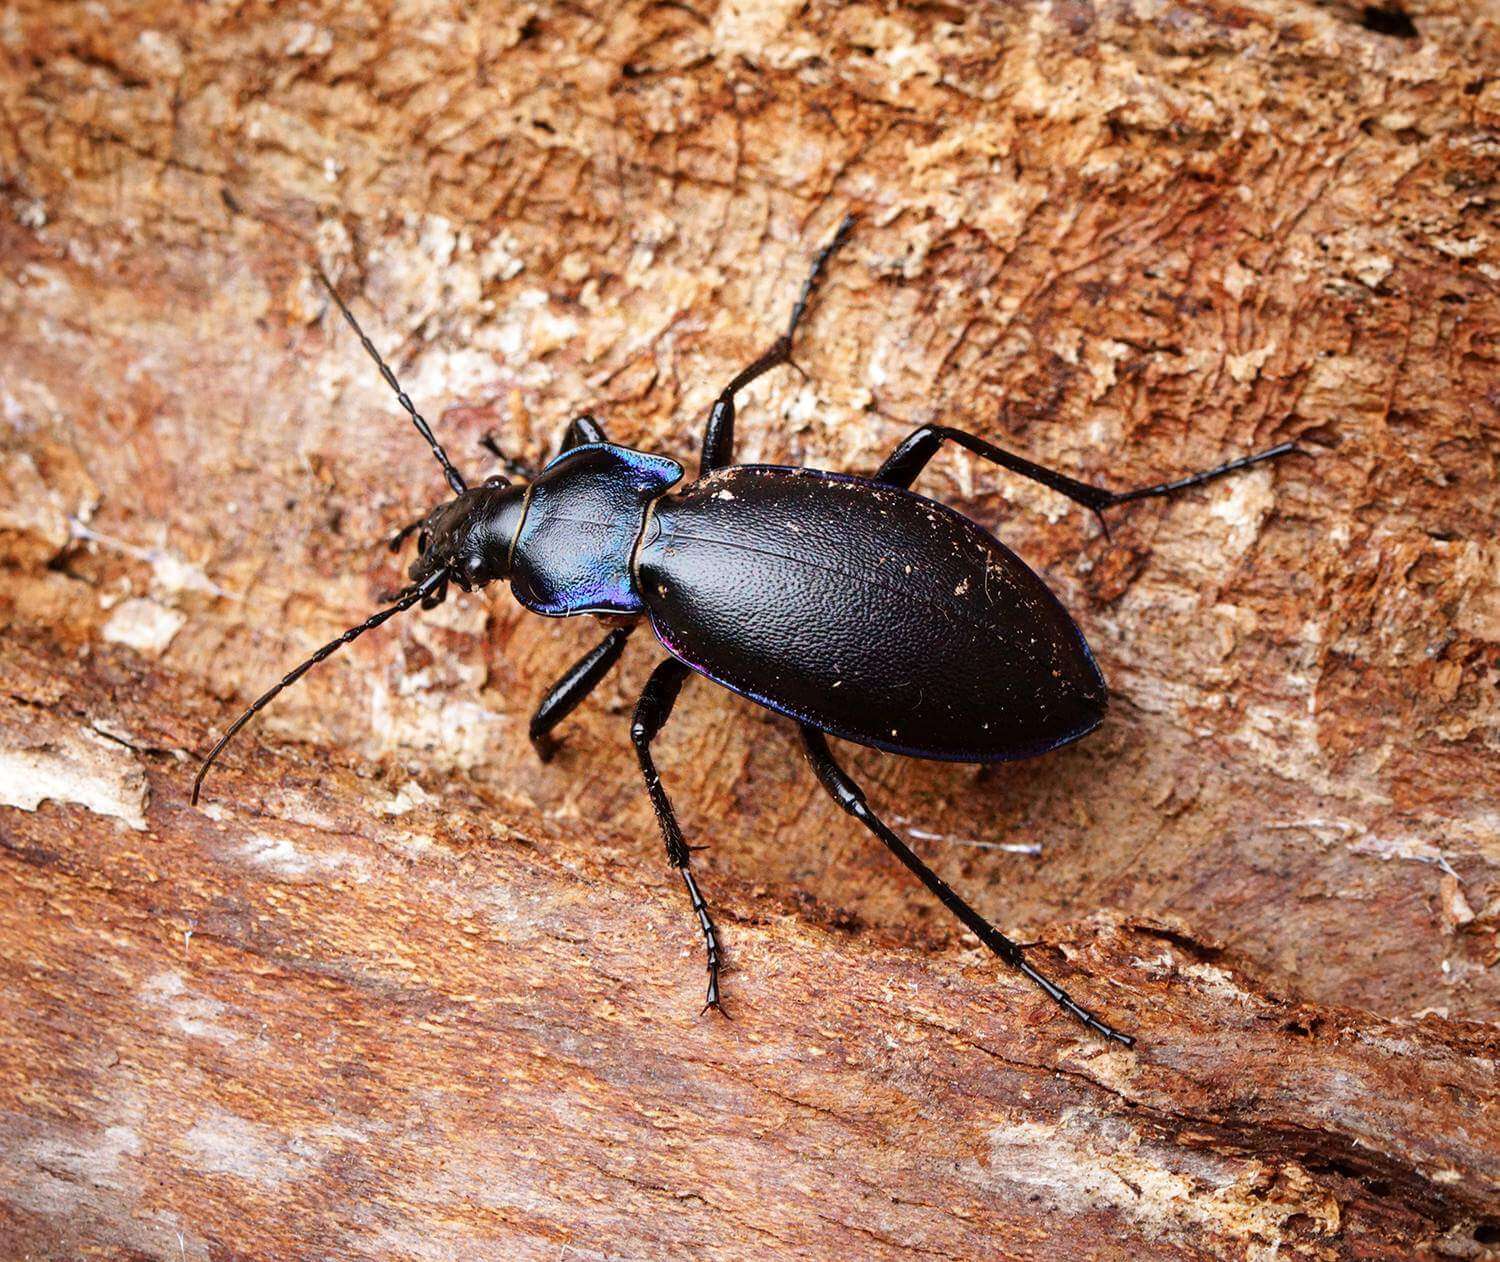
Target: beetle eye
[422,542]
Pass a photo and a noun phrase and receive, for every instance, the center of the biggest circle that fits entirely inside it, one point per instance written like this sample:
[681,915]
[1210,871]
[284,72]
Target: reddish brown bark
[401,990]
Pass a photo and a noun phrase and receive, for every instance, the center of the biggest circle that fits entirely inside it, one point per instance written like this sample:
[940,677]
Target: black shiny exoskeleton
[850,604]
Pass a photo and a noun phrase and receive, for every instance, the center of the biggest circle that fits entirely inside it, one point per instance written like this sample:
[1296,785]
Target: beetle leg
[651,713]
[582,429]
[516,468]
[843,790]
[718,437]
[581,679]
[921,445]
[405,533]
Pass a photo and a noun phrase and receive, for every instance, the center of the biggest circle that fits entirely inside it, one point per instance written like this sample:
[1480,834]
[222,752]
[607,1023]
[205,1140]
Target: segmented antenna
[406,600]
[455,478]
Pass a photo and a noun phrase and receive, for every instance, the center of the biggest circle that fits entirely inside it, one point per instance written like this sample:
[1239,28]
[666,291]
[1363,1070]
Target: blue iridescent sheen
[572,554]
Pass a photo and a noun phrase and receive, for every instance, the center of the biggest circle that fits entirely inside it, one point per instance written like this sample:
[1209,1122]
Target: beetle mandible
[852,605]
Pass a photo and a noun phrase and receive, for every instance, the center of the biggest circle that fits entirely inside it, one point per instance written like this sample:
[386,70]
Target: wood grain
[401,991]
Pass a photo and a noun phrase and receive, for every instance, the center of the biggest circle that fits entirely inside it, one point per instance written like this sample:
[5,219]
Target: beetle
[852,605]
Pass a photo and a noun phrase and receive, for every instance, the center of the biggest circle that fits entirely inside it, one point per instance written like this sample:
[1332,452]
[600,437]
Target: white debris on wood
[143,625]
[75,765]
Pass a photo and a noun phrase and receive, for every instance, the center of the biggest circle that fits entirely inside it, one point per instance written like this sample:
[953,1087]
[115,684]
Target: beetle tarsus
[1067,1003]
[1208,475]
[815,274]
[710,942]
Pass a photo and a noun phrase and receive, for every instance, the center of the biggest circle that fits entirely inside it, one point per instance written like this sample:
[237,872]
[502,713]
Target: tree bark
[399,990]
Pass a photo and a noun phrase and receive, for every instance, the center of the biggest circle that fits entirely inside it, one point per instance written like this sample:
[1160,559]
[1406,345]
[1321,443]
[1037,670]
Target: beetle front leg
[718,437]
[581,429]
[921,445]
[651,713]
[843,790]
[580,680]
[490,442]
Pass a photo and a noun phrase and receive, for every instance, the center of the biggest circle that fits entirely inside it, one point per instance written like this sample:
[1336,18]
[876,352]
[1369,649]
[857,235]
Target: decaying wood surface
[398,990]
[322,1018]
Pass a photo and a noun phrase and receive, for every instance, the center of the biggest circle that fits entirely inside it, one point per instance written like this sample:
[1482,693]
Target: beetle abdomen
[866,611]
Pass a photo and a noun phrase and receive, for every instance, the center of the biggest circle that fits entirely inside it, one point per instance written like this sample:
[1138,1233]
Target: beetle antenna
[455,478]
[408,598]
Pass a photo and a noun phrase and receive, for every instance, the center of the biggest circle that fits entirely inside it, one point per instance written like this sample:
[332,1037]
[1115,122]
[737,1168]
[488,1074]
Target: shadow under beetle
[849,604]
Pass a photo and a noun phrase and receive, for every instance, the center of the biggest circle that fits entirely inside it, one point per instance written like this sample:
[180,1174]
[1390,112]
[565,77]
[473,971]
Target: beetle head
[469,538]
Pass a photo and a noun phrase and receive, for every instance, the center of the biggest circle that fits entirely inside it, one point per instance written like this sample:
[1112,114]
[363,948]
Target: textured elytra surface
[874,614]
[1127,240]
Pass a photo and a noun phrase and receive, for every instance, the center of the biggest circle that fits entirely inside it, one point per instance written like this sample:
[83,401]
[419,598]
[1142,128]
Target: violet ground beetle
[849,604]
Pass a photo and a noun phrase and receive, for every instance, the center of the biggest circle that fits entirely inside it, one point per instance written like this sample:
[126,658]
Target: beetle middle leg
[580,680]
[916,451]
[843,790]
[651,713]
[718,437]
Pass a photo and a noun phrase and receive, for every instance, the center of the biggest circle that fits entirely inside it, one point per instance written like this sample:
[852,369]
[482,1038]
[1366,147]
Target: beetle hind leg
[916,451]
[651,713]
[843,790]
